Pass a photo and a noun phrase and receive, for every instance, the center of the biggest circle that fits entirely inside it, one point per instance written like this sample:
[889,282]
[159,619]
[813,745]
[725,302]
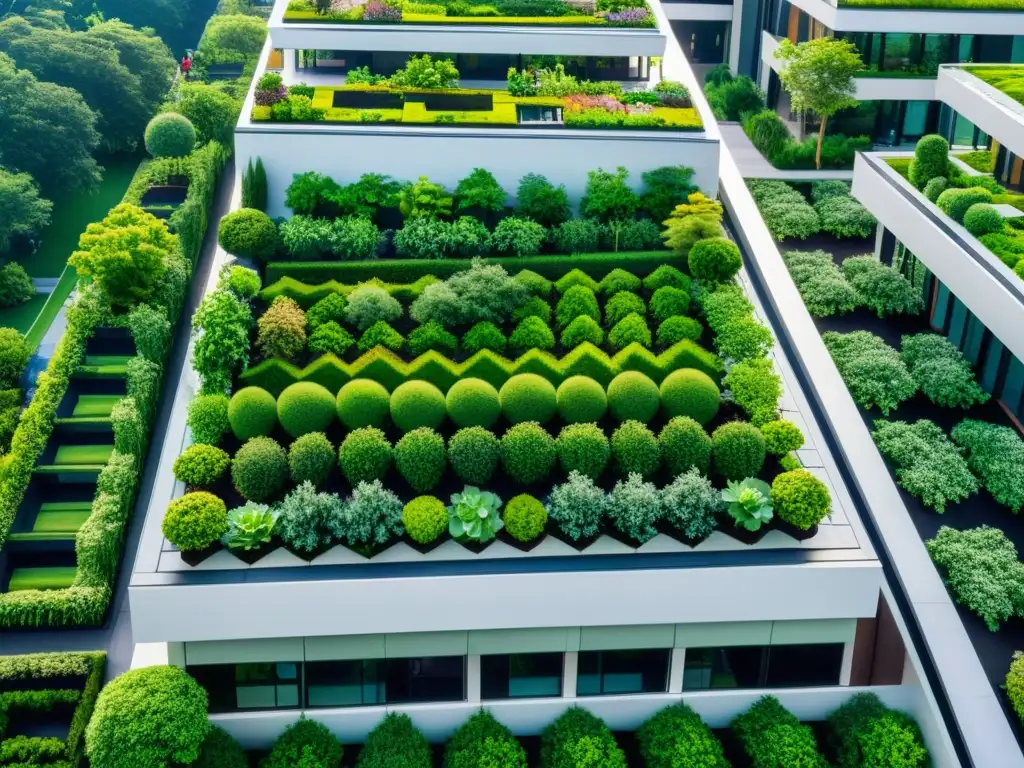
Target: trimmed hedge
[772,736]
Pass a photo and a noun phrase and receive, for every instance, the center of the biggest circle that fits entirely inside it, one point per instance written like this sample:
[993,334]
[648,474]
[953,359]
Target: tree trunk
[821,137]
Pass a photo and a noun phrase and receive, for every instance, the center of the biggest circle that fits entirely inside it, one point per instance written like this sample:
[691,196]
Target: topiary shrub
[330,337]
[305,744]
[781,437]
[580,330]
[714,260]
[248,234]
[365,455]
[578,301]
[634,508]
[865,732]
[636,449]
[532,333]
[931,159]
[483,741]
[577,507]
[684,445]
[669,302]
[200,465]
[425,518]
[956,202]
[170,135]
[676,329]
[282,330]
[420,458]
[220,750]
[195,521]
[689,392]
[935,187]
[305,407]
[632,329]
[583,448]
[1015,684]
[473,403]
[363,403]
[484,335]
[432,335]
[800,499]
[632,395]
[260,469]
[619,280]
[535,307]
[252,412]
[666,275]
[380,334]
[417,404]
[691,505]
[737,450]
[575,277]
[621,305]
[981,219]
[677,736]
[772,736]
[369,304]
[528,453]
[148,716]
[473,453]
[581,399]
[579,739]
[538,285]
[208,418]
[528,397]
[371,517]
[525,518]
[395,742]
[311,458]
[330,309]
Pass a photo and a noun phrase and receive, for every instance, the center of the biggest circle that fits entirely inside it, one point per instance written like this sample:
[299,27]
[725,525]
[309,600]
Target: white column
[473,679]
[675,670]
[847,666]
[569,675]
[735,27]
[879,236]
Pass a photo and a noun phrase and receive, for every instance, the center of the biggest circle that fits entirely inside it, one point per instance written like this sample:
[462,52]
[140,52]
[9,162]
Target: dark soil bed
[367,100]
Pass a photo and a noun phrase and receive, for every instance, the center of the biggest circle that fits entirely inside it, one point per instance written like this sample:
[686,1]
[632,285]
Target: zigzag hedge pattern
[307,295]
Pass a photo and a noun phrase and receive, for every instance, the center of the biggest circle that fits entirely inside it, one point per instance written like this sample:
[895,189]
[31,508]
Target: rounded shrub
[473,453]
[260,469]
[678,730]
[580,330]
[220,750]
[579,739]
[622,304]
[395,742]
[689,392]
[425,518]
[632,329]
[148,716]
[473,403]
[636,449]
[200,465]
[800,499]
[305,743]
[737,450]
[981,219]
[420,458]
[252,412]
[528,397]
[632,395]
[528,453]
[208,418]
[581,399]
[365,455]
[484,335]
[781,437]
[170,135]
[669,302]
[14,355]
[714,259]
[531,333]
[363,403]
[676,329]
[583,448]
[248,234]
[195,521]
[311,458]
[619,280]
[685,444]
[417,404]
[666,275]
[578,301]
[935,187]
[525,517]
[931,159]
[483,741]
[305,407]
[1015,684]
[956,202]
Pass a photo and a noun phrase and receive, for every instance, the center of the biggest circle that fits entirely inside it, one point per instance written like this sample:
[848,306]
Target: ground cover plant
[872,370]
[832,209]
[822,285]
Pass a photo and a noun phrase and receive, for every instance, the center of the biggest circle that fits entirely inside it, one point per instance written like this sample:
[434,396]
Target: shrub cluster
[677,733]
[864,731]
[873,371]
[822,285]
[995,454]
[579,738]
[882,288]
[941,371]
[772,736]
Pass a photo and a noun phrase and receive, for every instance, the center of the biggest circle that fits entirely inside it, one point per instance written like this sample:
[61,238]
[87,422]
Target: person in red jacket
[186,65]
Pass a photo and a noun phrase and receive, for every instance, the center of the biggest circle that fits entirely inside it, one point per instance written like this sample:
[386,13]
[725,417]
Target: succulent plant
[750,502]
[249,527]
[473,515]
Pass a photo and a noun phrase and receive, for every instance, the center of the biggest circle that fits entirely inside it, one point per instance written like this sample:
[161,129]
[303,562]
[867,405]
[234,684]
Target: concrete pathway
[41,357]
[116,635]
[753,165]
[44,284]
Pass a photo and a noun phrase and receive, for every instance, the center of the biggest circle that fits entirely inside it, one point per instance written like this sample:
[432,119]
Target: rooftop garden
[560,13]
[1008,79]
[937,5]
[427,92]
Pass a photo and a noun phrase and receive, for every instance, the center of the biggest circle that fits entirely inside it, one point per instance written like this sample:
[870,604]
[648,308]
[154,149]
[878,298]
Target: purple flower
[629,16]
[375,10]
[271,97]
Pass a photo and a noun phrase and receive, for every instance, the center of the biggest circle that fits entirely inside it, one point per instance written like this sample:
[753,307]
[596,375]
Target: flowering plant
[270,97]
[375,10]
[630,17]
[580,103]
[640,109]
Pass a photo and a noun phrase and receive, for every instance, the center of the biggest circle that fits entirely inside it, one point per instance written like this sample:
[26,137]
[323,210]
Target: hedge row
[306,295]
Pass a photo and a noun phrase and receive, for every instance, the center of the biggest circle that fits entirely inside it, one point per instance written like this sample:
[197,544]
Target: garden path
[753,165]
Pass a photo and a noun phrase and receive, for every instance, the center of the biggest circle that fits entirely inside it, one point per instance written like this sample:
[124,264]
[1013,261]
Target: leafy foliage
[677,736]
[995,454]
[823,287]
[634,508]
[872,370]
[690,504]
[941,371]
[305,744]
[473,453]
[882,288]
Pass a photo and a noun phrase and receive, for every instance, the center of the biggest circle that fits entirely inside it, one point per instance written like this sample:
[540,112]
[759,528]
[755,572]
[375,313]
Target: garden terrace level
[967,90]
[966,18]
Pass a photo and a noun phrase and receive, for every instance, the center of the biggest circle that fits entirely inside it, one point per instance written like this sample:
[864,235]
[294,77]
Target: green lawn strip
[21,317]
[62,517]
[79,455]
[101,361]
[57,577]
[95,405]
[49,311]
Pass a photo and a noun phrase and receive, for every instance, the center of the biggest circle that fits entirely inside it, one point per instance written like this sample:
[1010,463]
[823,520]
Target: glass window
[762,666]
[540,114]
[940,308]
[616,672]
[344,683]
[249,686]
[515,675]
[993,360]
[957,323]
[1013,385]
[431,678]
[804,666]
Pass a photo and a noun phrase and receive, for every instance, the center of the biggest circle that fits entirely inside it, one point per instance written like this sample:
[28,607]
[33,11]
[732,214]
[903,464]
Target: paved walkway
[41,357]
[116,636]
[45,284]
[753,165]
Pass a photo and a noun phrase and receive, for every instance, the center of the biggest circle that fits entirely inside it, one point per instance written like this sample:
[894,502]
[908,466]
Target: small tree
[479,190]
[22,211]
[819,75]
[254,185]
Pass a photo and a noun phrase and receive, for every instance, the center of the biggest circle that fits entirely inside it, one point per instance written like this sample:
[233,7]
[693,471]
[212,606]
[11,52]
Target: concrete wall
[922,21]
[1000,116]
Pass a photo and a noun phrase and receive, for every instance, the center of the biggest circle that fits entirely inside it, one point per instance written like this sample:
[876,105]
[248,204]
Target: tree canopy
[145,56]
[212,112]
[22,211]
[232,39]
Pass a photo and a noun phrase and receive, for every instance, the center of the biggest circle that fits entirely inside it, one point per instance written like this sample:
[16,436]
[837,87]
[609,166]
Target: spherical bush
[425,518]
[260,469]
[689,392]
[956,202]
[420,458]
[581,399]
[669,302]
[685,444]
[417,404]
[248,234]
[677,329]
[781,437]
[201,465]
[311,458]
[528,397]
[525,517]
[528,453]
[714,259]
[982,218]
[363,403]
[931,159]
[170,135]
[737,450]
[305,407]
[635,449]
[800,499]
[632,395]
[473,403]
[584,448]
[473,453]
[252,412]
[195,521]
[365,455]
[935,187]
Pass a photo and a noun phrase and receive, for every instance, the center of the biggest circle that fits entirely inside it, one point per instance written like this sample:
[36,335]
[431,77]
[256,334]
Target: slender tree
[819,76]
